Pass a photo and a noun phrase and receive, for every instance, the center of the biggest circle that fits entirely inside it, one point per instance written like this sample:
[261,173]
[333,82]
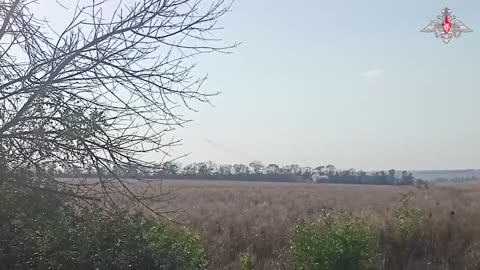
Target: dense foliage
[409,238]
[333,243]
[415,239]
[43,232]
[256,171]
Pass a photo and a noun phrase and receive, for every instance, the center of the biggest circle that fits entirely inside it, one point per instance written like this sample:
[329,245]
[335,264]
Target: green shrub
[415,239]
[93,241]
[175,249]
[23,212]
[64,239]
[407,224]
[406,237]
[343,242]
[247,260]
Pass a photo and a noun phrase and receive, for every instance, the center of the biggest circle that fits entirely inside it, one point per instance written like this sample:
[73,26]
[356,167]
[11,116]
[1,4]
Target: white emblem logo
[446,26]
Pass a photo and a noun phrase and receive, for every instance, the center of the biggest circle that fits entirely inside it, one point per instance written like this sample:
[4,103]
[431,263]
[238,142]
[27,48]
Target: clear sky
[352,83]
[346,82]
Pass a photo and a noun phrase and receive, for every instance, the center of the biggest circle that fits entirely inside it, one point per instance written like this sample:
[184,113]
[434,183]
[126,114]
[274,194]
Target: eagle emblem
[446,26]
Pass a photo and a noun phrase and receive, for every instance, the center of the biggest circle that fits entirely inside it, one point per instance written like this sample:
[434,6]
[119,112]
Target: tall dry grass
[234,217]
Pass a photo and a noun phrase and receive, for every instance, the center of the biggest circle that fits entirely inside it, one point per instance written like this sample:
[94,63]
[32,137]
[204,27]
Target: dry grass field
[232,217]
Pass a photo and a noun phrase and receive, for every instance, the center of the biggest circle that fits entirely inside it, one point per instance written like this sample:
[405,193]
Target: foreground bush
[247,260]
[88,239]
[92,241]
[343,242]
[174,249]
[407,239]
[415,239]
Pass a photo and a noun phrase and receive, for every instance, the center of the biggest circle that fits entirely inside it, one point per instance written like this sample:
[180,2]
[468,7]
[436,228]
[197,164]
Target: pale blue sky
[352,83]
[345,82]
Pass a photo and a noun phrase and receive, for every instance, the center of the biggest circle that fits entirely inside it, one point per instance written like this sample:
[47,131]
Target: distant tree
[170,169]
[204,169]
[319,170]
[407,178]
[257,167]
[225,170]
[213,168]
[290,173]
[273,169]
[189,170]
[307,173]
[391,179]
[362,177]
[383,178]
[295,169]
[422,184]
[331,170]
[240,169]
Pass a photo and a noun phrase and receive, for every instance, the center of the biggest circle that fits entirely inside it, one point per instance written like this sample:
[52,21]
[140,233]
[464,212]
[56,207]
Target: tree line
[256,171]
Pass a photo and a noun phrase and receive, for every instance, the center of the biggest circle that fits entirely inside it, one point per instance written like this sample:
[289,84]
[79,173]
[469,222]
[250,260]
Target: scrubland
[416,228]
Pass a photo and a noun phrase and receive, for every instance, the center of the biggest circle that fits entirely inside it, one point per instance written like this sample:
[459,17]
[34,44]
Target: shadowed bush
[247,260]
[342,242]
[89,239]
[414,239]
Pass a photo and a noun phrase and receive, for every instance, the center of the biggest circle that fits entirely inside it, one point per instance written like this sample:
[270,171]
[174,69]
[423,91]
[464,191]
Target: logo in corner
[446,26]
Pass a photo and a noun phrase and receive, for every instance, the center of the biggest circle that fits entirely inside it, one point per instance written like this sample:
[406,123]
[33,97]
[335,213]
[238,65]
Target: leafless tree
[102,92]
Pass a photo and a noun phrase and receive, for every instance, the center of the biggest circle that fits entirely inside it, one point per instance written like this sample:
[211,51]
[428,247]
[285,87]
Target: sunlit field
[233,217]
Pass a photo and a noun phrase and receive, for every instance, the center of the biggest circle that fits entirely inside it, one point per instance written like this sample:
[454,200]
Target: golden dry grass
[232,217]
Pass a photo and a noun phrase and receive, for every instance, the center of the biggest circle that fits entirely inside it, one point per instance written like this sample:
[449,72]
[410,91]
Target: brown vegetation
[234,217]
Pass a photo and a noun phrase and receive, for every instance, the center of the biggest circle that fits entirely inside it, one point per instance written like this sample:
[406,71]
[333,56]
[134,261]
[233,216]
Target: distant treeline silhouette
[456,179]
[256,171]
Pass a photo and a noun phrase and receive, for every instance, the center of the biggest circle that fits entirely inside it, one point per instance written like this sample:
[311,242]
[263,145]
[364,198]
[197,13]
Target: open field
[232,217]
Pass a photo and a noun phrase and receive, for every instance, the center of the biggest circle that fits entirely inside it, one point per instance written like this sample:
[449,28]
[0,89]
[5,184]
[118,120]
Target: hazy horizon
[185,161]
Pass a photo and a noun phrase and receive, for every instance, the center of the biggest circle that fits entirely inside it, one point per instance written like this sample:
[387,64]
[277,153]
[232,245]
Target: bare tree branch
[99,94]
